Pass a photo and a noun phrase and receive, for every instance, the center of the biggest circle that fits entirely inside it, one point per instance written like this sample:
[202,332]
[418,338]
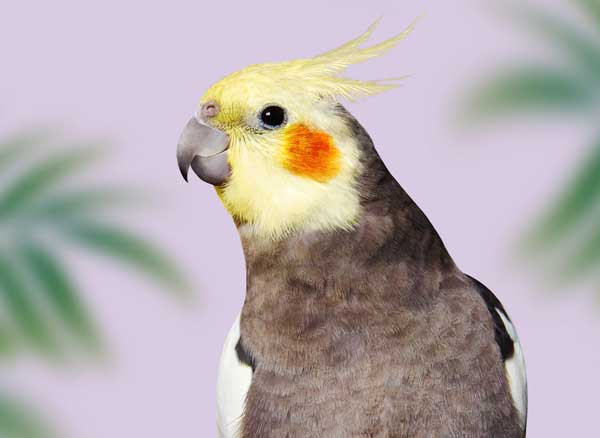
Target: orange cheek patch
[310,153]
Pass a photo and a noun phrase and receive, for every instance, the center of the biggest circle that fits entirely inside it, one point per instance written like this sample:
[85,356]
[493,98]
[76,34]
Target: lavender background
[133,72]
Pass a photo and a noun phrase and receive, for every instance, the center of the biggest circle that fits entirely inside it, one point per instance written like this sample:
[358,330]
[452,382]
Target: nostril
[210,109]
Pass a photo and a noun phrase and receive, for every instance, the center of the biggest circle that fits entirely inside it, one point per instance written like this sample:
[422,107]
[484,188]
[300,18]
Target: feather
[320,76]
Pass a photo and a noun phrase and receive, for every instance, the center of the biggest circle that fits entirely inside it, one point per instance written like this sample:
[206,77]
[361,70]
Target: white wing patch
[515,371]
[233,383]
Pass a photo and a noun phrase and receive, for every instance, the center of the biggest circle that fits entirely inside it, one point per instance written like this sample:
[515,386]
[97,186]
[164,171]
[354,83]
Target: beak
[204,148]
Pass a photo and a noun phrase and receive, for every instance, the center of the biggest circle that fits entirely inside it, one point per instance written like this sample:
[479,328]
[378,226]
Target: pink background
[133,72]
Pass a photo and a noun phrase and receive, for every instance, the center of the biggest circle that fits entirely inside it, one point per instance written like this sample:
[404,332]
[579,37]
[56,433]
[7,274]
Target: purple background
[133,72]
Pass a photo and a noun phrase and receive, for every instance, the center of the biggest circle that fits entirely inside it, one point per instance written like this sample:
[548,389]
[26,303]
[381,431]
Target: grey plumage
[372,332]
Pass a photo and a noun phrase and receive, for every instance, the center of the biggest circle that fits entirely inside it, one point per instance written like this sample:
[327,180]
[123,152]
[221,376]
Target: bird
[356,321]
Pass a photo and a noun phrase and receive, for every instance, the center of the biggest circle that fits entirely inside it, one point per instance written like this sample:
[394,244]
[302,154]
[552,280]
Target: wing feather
[233,382]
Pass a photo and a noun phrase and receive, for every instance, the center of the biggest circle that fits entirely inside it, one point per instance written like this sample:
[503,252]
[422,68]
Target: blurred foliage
[567,235]
[45,207]
[17,420]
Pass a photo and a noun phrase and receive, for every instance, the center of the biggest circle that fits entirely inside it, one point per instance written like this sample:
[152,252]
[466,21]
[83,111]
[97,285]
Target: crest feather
[352,44]
[338,60]
[320,76]
[323,69]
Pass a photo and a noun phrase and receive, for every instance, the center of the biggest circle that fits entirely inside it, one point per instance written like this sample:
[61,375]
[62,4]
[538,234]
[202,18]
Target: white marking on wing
[515,371]
[233,383]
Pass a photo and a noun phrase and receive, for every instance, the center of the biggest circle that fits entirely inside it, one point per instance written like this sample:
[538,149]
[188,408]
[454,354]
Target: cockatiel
[356,322]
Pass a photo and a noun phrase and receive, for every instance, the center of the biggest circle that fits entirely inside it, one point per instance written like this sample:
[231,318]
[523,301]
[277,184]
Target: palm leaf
[125,246]
[580,199]
[18,421]
[53,280]
[527,89]
[40,178]
[592,9]
[84,201]
[21,305]
[36,288]
[33,201]
[575,44]
[7,340]
[20,144]
[561,237]
[585,259]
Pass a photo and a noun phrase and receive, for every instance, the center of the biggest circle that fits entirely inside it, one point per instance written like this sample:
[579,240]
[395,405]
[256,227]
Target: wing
[235,375]
[512,354]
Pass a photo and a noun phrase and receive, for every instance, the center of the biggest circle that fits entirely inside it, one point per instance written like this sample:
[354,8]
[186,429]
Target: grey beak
[204,148]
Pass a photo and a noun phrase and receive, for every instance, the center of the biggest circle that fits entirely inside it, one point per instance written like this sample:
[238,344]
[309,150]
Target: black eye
[272,117]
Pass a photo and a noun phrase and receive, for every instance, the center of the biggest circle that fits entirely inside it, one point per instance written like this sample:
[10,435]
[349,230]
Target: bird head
[274,141]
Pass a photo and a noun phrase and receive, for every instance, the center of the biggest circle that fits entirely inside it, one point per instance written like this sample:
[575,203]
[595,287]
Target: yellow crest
[319,76]
[303,175]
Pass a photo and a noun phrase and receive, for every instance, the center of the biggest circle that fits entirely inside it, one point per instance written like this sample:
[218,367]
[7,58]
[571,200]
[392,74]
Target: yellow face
[293,158]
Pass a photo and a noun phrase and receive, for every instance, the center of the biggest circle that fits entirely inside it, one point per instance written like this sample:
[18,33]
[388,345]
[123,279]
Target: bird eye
[272,117]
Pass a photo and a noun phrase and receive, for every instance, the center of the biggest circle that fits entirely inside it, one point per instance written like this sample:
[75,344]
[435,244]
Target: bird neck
[305,290]
[315,284]
[392,237]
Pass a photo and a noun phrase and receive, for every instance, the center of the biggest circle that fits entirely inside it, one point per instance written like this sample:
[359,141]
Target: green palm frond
[7,340]
[25,313]
[577,203]
[20,144]
[566,236]
[42,177]
[592,9]
[43,207]
[58,291]
[123,246]
[580,49]
[527,89]
[85,201]
[585,259]
[19,420]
